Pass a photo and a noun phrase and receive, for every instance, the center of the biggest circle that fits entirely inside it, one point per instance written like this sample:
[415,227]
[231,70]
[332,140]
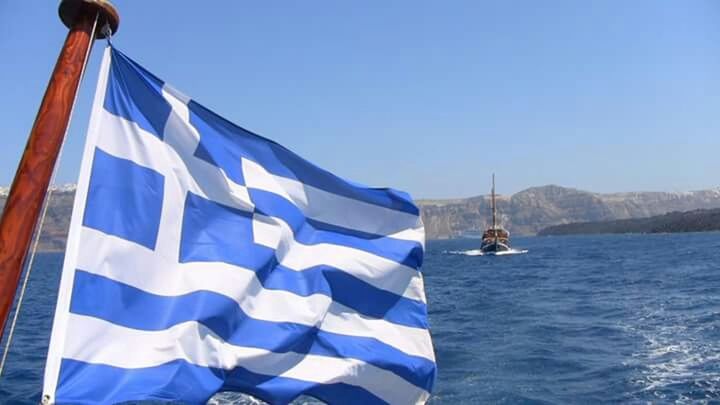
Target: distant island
[524,213]
[536,208]
[688,221]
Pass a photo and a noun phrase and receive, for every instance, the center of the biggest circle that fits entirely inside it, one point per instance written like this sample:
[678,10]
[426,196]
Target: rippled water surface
[577,319]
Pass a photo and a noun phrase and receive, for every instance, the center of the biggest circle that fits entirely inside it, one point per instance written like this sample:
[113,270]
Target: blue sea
[577,319]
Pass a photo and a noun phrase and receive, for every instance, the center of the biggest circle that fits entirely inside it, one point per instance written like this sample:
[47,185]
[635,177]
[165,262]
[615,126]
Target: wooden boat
[495,239]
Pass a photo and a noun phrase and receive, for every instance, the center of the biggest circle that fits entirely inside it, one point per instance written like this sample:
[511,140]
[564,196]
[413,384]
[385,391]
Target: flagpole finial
[70,10]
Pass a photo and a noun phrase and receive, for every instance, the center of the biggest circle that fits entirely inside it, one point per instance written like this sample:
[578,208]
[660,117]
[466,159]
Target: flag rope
[46,204]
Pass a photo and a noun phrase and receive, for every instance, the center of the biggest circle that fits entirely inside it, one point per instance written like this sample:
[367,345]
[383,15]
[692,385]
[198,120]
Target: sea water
[576,319]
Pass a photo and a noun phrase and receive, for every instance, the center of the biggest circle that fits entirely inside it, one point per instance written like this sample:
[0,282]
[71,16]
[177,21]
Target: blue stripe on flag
[223,143]
[347,290]
[124,199]
[283,390]
[412,259]
[118,303]
[86,383]
[136,95]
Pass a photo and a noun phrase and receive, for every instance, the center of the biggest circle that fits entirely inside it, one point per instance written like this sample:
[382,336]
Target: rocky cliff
[523,213]
[530,210]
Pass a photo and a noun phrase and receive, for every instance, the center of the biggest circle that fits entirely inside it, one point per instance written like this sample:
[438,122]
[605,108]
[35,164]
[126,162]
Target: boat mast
[494,225]
[86,20]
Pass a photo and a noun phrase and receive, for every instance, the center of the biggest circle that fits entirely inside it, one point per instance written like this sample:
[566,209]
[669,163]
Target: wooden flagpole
[32,178]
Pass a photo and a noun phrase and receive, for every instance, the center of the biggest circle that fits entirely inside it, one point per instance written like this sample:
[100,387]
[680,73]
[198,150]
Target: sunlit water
[581,319]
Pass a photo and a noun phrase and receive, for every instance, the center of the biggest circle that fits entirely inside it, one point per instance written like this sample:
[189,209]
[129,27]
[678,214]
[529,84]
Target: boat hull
[494,247]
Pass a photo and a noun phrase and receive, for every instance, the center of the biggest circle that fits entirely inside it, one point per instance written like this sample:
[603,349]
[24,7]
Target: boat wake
[676,362]
[478,252]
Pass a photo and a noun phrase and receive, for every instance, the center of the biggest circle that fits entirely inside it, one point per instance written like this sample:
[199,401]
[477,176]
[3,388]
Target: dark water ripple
[581,319]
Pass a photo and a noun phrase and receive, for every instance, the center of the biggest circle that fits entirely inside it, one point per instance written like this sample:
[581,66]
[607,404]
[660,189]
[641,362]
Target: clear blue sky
[425,96]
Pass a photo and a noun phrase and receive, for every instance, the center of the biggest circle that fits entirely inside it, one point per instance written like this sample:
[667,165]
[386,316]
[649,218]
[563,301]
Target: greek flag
[205,258]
